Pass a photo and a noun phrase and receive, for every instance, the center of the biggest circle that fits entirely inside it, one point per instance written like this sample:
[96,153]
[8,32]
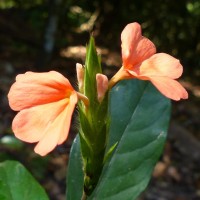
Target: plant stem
[84,197]
[83,98]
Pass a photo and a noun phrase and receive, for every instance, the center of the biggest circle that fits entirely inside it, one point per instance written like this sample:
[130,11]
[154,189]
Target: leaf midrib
[128,121]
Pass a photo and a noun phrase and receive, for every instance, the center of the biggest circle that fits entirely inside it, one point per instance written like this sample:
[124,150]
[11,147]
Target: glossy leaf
[139,123]
[16,183]
[75,173]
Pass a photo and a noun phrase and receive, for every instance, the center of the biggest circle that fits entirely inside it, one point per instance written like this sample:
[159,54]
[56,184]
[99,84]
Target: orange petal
[30,124]
[170,88]
[49,124]
[70,109]
[135,47]
[57,132]
[160,64]
[31,89]
[50,139]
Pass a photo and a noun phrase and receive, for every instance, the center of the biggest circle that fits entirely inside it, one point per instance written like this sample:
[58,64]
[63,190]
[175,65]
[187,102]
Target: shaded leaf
[16,183]
[75,173]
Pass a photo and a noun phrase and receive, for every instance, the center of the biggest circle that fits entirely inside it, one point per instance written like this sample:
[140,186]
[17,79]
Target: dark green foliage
[75,180]
[173,25]
[92,67]
[139,122]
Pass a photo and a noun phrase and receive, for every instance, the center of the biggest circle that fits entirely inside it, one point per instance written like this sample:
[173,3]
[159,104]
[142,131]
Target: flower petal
[30,124]
[57,132]
[160,64]
[32,89]
[170,88]
[135,47]
[50,140]
[70,109]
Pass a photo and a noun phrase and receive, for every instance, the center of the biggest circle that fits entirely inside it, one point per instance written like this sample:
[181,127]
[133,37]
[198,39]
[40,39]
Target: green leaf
[92,67]
[93,63]
[139,123]
[75,173]
[16,183]
[109,152]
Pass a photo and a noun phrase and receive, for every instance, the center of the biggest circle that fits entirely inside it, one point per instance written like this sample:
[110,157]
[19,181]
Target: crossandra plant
[123,121]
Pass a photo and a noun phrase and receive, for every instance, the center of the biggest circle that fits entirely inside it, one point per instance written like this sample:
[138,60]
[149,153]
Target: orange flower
[141,61]
[46,102]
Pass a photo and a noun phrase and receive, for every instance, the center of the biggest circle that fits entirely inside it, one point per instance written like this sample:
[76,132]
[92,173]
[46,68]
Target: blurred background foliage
[42,35]
[32,26]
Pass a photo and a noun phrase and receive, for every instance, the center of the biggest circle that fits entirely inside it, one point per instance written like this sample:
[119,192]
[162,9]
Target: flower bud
[102,86]
[80,75]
